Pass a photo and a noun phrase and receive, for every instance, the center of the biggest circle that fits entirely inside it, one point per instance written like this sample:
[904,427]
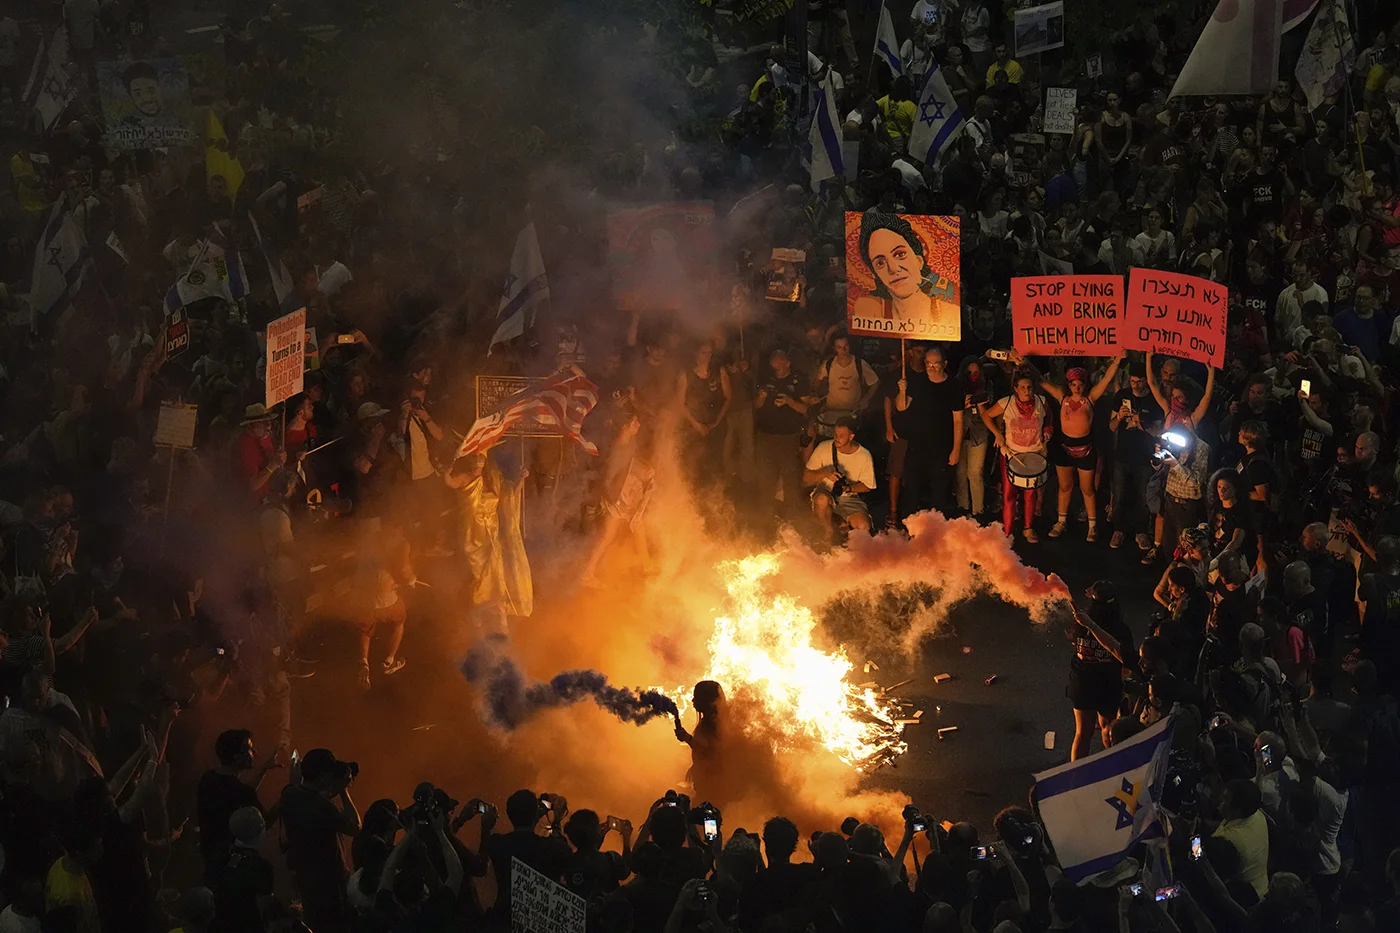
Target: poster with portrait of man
[661,255]
[146,104]
[902,276]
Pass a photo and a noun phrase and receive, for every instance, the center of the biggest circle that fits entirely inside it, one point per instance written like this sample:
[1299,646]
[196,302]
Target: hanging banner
[1067,315]
[1181,315]
[902,276]
[285,361]
[1060,109]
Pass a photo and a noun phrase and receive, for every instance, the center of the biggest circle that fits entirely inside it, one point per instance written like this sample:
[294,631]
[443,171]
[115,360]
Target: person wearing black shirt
[1134,415]
[780,415]
[777,888]
[1380,618]
[313,825]
[931,412]
[245,881]
[547,855]
[1268,188]
[1307,605]
[1259,293]
[1231,522]
[1103,646]
[221,792]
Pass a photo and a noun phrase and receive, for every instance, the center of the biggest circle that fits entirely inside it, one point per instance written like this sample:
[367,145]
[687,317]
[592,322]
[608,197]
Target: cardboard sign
[902,276]
[177,333]
[147,104]
[785,279]
[539,905]
[492,393]
[285,361]
[1027,160]
[1067,315]
[1040,28]
[1182,315]
[175,425]
[1060,106]
[1093,66]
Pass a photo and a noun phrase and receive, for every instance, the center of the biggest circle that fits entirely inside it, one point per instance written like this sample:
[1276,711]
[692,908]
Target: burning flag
[564,400]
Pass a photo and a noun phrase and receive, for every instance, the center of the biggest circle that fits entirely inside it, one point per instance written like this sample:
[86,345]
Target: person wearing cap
[839,472]
[245,884]
[256,455]
[370,468]
[1103,647]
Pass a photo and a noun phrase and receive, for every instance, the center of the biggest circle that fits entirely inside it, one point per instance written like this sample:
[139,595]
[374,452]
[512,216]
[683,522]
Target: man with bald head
[1306,604]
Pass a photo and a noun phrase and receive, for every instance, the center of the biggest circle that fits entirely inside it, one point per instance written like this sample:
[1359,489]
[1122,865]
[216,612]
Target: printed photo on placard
[902,276]
[660,254]
[146,104]
[786,281]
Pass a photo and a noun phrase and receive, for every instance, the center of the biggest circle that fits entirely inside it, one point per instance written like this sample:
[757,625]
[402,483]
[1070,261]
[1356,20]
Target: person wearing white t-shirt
[850,382]
[1288,313]
[839,472]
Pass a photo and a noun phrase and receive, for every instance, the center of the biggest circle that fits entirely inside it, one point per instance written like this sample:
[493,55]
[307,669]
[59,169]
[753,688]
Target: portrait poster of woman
[902,276]
[661,255]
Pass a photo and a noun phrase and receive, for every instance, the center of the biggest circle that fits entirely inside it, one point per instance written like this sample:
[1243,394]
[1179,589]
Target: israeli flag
[887,44]
[62,260]
[1097,808]
[527,288]
[825,136]
[938,120]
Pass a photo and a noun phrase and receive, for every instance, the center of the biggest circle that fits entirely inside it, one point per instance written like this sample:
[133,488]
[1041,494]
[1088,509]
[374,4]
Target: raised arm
[1103,384]
[1157,395]
[1204,404]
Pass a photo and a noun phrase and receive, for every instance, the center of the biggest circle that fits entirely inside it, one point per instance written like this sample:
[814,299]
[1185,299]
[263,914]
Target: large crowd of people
[140,581]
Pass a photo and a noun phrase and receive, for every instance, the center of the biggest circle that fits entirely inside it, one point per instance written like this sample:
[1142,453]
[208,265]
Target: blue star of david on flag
[928,119]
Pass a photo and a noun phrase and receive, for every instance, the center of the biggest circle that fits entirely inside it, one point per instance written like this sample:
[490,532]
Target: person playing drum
[1021,439]
[1073,451]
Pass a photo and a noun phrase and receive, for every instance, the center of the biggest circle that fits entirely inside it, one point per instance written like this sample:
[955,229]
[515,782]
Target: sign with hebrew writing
[541,905]
[902,276]
[1067,315]
[1180,315]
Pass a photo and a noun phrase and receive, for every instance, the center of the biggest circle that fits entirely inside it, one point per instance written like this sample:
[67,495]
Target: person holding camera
[546,854]
[840,471]
[316,810]
[223,792]
[590,872]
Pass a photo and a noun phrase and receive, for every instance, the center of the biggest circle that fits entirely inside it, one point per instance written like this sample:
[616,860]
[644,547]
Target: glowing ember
[763,654]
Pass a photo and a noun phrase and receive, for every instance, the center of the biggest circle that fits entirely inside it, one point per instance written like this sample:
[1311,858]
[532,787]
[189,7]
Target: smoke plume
[509,698]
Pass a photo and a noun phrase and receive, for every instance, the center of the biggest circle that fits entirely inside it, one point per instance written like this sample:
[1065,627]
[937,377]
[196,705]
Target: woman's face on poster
[898,267]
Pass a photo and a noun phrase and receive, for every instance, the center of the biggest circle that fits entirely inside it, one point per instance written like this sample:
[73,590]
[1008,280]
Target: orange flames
[763,653]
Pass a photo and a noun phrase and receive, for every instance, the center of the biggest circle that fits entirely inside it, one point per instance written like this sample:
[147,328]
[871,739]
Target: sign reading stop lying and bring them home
[1180,315]
[285,362]
[1067,315]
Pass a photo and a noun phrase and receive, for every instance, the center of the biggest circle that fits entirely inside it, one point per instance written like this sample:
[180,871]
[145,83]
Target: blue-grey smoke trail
[509,698]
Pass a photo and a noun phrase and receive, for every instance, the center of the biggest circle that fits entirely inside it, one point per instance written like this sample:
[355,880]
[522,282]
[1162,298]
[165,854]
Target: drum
[826,422]
[1026,470]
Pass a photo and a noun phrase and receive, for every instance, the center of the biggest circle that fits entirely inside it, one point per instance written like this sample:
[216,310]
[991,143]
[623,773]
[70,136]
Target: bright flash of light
[763,653]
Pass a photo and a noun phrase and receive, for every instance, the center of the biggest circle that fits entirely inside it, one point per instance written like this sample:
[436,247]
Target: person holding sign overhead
[1073,451]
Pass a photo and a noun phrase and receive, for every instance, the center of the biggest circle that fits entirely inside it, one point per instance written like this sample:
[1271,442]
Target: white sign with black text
[1060,109]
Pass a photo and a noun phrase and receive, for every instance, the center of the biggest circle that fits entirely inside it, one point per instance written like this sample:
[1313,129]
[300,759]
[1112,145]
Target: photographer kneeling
[316,809]
[840,471]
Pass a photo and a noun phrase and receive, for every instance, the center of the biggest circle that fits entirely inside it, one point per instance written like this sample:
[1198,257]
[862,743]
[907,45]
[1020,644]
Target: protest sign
[1182,315]
[785,279]
[539,905]
[177,333]
[1060,109]
[146,104]
[1093,66]
[1027,158]
[285,361]
[661,254]
[492,393]
[1067,315]
[175,425]
[1040,28]
[902,276]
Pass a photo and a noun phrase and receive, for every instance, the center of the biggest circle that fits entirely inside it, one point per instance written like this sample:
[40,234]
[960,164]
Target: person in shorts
[1103,646]
[840,471]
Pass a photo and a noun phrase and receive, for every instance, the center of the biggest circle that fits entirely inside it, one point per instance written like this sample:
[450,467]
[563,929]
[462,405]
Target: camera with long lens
[840,487]
[914,819]
[427,802]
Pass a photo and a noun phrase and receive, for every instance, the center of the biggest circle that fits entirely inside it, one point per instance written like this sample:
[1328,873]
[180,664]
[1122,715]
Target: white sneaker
[1057,529]
[1092,534]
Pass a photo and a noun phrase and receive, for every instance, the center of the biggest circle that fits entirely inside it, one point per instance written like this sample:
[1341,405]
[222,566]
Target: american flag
[564,399]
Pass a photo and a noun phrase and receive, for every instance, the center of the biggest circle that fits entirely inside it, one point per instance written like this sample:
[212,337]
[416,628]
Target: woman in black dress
[1103,646]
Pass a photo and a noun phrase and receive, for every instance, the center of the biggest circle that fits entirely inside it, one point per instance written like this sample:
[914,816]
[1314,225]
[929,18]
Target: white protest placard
[1039,28]
[538,905]
[1060,105]
[1093,66]
[175,425]
[285,362]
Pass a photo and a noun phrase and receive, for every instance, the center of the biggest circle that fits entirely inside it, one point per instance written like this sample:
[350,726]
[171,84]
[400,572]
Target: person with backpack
[845,382]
